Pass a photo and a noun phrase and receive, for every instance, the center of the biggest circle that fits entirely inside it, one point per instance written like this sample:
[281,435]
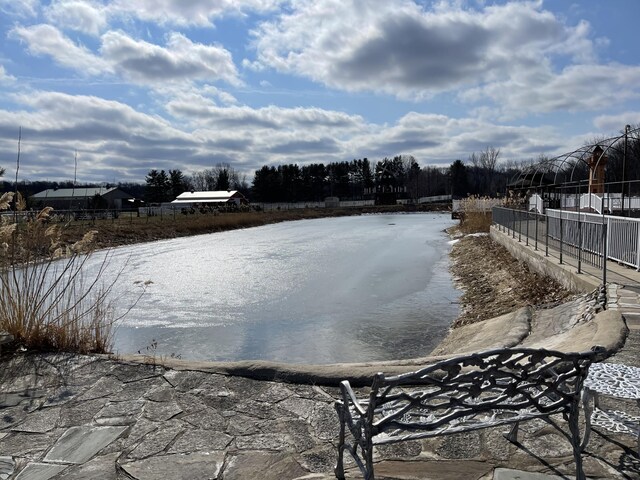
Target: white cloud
[181,60]
[83,16]
[402,49]
[64,110]
[48,40]
[5,78]
[185,13]
[615,123]
[123,143]
[576,88]
[267,118]
[21,8]
[439,139]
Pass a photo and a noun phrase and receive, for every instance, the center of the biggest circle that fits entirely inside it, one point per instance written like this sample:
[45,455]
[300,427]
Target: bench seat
[461,394]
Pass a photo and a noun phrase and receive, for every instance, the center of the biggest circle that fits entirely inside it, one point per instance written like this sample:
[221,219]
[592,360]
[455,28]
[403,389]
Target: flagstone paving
[68,417]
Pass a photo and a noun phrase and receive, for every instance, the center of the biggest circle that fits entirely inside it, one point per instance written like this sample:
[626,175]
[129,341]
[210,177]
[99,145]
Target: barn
[211,198]
[82,198]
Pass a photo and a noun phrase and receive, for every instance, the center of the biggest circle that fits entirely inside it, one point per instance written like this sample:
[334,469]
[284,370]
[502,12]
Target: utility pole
[15,197]
[624,165]
[75,172]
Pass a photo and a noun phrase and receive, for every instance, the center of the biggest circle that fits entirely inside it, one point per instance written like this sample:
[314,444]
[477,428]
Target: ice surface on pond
[347,289]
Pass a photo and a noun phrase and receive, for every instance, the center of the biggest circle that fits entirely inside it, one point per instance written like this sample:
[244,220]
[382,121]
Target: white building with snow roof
[211,198]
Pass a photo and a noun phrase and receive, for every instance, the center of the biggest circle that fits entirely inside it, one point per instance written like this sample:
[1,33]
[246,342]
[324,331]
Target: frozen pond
[347,289]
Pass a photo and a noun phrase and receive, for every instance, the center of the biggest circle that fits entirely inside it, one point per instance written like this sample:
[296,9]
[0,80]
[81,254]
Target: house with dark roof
[83,198]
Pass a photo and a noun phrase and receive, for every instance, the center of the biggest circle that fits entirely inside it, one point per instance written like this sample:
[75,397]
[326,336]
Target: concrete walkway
[92,417]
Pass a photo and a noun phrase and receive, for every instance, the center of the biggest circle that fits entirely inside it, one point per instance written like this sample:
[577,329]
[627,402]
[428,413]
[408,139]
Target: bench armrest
[349,397]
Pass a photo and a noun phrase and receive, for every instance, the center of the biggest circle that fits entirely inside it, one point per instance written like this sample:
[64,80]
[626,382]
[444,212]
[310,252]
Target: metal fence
[93,216]
[347,203]
[577,236]
[600,203]
[622,235]
[64,215]
[588,238]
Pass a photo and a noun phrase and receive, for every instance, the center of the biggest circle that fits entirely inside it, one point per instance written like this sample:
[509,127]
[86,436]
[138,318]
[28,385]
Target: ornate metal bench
[466,393]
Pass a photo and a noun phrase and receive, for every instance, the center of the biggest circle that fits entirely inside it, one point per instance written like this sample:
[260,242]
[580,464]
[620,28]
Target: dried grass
[126,230]
[475,212]
[46,301]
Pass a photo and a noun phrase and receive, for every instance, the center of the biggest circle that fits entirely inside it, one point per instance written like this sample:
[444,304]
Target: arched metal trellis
[553,178]
[579,193]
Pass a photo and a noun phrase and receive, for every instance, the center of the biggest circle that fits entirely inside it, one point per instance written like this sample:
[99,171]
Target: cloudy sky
[132,85]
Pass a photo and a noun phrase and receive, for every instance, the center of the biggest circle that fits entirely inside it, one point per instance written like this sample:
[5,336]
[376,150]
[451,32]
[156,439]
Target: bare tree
[489,158]
[474,160]
[489,161]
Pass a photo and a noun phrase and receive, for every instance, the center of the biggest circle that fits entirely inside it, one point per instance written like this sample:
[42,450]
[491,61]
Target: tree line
[483,173]
[357,179]
[354,180]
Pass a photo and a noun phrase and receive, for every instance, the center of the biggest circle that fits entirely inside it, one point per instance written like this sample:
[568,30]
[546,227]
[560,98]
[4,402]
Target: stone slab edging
[607,329]
[499,332]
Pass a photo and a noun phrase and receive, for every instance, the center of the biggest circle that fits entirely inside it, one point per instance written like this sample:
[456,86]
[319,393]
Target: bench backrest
[476,391]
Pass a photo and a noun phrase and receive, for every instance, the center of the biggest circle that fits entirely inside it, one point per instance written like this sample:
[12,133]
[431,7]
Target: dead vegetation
[127,230]
[48,302]
[495,283]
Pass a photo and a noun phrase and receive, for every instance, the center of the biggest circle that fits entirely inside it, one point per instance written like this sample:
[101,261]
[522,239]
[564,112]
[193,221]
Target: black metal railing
[559,235]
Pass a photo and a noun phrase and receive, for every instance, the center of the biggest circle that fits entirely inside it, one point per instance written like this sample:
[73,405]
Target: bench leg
[512,436]
[574,417]
[638,439]
[367,451]
[339,469]
[588,402]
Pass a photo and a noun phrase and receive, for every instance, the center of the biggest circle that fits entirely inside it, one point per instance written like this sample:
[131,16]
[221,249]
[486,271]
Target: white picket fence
[607,203]
[622,243]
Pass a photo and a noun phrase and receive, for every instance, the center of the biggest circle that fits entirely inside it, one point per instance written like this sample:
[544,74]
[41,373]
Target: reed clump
[47,301]
[475,213]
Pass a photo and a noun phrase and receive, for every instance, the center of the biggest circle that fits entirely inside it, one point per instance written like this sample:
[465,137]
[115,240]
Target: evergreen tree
[158,187]
[177,183]
[223,183]
[459,179]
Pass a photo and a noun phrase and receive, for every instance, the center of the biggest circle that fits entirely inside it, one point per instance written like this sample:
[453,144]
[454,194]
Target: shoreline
[466,247]
[502,321]
[494,283]
[477,304]
[128,232]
